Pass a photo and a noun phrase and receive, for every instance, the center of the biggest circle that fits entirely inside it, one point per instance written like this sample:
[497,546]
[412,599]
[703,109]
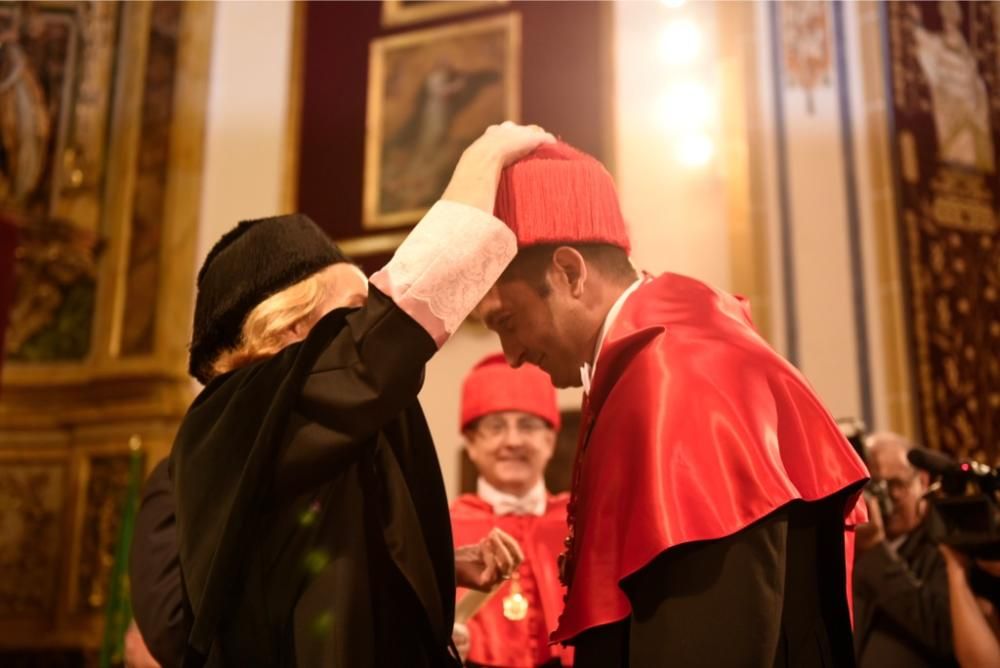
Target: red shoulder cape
[697,429]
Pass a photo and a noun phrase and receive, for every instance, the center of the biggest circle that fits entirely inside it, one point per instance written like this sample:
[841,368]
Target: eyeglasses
[898,485]
[495,426]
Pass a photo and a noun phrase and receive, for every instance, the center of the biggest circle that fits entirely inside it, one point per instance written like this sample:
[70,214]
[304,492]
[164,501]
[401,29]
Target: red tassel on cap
[493,386]
[558,194]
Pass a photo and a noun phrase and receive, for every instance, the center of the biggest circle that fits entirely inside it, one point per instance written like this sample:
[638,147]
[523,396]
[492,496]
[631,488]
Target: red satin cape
[495,640]
[697,429]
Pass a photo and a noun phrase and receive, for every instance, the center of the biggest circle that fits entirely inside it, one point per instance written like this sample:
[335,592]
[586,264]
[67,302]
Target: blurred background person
[510,420]
[901,615]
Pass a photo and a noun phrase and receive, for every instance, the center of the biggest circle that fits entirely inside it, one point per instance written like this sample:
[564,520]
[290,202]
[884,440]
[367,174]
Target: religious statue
[958,94]
[24,118]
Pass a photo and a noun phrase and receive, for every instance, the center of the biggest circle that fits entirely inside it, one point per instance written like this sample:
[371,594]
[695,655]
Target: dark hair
[531,263]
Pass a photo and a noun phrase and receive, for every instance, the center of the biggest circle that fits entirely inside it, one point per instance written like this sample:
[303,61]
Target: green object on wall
[118,612]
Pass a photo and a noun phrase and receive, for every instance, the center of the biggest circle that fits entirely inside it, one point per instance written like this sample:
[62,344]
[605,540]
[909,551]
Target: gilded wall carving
[56,68]
[945,87]
[103,499]
[31,500]
[101,143]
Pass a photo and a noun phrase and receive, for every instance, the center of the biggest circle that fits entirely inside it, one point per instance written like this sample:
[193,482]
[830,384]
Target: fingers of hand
[529,135]
[505,560]
[512,546]
[488,556]
[504,551]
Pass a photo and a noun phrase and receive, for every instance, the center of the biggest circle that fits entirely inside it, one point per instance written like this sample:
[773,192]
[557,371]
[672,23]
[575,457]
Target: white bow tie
[532,503]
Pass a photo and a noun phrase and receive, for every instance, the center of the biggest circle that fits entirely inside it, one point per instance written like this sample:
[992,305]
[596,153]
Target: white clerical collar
[532,503]
[589,368]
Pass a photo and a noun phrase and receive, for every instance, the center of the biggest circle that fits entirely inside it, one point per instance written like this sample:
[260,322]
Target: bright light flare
[695,149]
[686,105]
[680,42]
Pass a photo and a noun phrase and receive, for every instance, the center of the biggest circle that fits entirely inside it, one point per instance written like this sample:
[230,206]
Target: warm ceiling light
[686,104]
[673,4]
[680,42]
[695,149]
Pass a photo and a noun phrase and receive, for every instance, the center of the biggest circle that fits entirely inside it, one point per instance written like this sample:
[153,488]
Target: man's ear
[570,268]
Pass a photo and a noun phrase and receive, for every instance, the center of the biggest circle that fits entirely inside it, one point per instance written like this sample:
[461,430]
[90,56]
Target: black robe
[768,596]
[158,604]
[311,513]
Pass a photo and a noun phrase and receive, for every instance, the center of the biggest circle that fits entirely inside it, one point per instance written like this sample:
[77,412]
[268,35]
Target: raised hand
[477,174]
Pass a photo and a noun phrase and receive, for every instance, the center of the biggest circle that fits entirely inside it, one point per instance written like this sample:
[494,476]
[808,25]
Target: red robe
[694,428]
[497,641]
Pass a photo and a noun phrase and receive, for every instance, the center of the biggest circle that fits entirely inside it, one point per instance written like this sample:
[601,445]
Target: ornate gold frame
[511,22]
[396,12]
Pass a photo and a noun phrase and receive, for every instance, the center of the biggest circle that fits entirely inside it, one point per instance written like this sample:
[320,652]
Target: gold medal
[515,605]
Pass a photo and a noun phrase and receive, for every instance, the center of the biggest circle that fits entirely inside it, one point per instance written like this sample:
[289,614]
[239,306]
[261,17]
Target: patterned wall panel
[945,89]
[32,497]
[104,493]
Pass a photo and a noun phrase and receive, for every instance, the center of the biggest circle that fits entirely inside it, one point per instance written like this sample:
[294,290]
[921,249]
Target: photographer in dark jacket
[901,615]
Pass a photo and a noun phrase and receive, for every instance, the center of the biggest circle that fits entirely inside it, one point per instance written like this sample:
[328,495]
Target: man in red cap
[714,498]
[509,421]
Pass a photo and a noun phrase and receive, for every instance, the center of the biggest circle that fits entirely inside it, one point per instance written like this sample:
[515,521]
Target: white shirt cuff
[446,265]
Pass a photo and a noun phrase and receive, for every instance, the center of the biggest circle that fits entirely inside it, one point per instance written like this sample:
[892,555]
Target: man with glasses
[509,420]
[900,580]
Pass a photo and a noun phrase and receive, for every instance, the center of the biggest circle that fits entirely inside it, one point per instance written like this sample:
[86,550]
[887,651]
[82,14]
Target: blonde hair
[279,321]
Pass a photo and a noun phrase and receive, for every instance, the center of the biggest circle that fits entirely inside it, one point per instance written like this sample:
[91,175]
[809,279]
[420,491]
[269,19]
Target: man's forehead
[488,305]
[891,459]
[509,415]
[507,295]
[498,297]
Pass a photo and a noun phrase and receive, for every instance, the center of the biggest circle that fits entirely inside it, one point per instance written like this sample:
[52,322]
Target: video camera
[963,504]
[853,430]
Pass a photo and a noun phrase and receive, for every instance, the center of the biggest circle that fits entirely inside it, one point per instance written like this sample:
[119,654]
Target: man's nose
[512,352]
[514,436]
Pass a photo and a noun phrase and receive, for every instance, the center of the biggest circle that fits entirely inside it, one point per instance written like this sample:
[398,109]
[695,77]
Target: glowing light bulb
[695,150]
[680,42]
[686,105]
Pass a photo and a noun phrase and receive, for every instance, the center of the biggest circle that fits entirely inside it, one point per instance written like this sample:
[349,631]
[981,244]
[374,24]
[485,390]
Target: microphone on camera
[955,474]
[933,462]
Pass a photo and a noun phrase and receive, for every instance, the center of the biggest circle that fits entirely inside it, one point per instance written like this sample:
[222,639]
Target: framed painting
[430,94]
[400,12]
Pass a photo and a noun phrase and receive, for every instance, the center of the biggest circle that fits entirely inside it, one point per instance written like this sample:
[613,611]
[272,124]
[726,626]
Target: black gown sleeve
[364,377]
[154,569]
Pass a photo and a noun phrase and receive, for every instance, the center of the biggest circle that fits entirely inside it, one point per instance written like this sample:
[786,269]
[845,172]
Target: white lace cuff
[446,265]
